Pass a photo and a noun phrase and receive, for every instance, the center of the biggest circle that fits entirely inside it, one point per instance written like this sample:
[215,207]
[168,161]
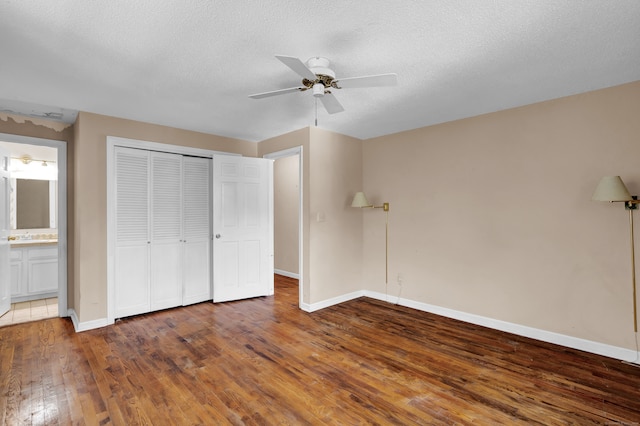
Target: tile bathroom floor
[30,311]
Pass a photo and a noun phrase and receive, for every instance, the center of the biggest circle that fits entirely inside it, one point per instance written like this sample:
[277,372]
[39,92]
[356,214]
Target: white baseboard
[598,348]
[520,330]
[333,301]
[287,274]
[305,307]
[87,325]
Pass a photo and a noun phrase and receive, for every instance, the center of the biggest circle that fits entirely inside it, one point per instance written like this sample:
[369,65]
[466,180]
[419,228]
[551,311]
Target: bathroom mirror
[33,204]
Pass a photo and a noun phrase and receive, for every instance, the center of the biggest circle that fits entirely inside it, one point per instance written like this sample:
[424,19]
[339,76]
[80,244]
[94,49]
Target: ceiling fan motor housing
[320,66]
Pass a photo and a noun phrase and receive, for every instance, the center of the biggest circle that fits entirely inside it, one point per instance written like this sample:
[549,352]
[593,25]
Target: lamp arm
[384,206]
[629,204]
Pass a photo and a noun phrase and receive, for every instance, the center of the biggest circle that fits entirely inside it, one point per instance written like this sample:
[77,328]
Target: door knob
[218,235]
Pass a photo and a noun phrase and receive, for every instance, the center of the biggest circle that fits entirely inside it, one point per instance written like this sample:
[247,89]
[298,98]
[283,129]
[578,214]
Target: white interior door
[242,227]
[5,229]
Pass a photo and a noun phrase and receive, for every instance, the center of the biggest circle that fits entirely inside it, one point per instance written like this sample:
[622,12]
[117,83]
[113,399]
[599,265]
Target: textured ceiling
[191,64]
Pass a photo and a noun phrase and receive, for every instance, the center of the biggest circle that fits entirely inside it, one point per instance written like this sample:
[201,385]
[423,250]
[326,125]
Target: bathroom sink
[31,242]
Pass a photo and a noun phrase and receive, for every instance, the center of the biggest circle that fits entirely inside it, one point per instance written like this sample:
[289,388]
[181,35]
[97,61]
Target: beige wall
[332,231]
[335,227]
[90,206]
[286,198]
[492,215]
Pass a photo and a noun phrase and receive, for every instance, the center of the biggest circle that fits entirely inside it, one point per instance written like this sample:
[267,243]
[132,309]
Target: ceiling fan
[320,78]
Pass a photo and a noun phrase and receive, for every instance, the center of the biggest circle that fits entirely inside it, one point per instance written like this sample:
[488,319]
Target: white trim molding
[615,352]
[287,274]
[87,325]
[517,329]
[296,150]
[623,354]
[62,228]
[163,147]
[333,301]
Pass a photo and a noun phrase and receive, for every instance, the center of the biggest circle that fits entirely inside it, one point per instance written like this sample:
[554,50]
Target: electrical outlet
[400,279]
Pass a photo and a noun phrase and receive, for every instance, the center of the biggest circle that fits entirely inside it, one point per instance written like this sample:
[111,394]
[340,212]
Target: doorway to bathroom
[38,228]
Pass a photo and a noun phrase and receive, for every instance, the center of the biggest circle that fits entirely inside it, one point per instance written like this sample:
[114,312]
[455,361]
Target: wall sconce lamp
[360,200]
[612,189]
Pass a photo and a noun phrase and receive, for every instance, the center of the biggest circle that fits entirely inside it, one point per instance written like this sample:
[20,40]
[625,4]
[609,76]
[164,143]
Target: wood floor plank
[264,361]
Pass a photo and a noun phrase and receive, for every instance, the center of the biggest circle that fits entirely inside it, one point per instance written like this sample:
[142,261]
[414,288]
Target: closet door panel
[132,232]
[132,281]
[197,282]
[166,230]
[166,275]
[197,229]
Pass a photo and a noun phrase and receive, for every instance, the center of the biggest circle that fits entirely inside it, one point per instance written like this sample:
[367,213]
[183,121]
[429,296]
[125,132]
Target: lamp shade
[360,200]
[611,188]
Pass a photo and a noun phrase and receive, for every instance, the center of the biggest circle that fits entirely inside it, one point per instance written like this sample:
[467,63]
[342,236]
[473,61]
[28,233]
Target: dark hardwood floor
[264,361]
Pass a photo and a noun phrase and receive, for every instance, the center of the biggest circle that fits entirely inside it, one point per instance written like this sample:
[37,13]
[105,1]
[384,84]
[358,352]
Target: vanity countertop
[32,243]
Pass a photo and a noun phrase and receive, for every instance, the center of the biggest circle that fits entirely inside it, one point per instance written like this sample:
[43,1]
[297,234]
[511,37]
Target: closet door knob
[218,235]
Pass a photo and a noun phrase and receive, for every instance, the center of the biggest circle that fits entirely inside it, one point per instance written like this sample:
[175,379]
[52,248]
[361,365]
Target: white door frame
[288,153]
[61,146]
[5,232]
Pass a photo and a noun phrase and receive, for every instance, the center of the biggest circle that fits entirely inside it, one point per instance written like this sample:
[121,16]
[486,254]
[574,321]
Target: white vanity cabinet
[34,271]
[15,261]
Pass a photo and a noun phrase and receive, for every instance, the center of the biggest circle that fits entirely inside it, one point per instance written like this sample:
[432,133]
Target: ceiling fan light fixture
[318,90]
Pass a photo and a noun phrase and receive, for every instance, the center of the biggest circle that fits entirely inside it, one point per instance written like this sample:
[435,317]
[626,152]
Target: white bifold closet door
[166,230]
[196,198]
[163,227]
[132,173]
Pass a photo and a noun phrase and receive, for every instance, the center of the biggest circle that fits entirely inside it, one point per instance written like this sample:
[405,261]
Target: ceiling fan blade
[379,80]
[330,103]
[297,66]
[277,92]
